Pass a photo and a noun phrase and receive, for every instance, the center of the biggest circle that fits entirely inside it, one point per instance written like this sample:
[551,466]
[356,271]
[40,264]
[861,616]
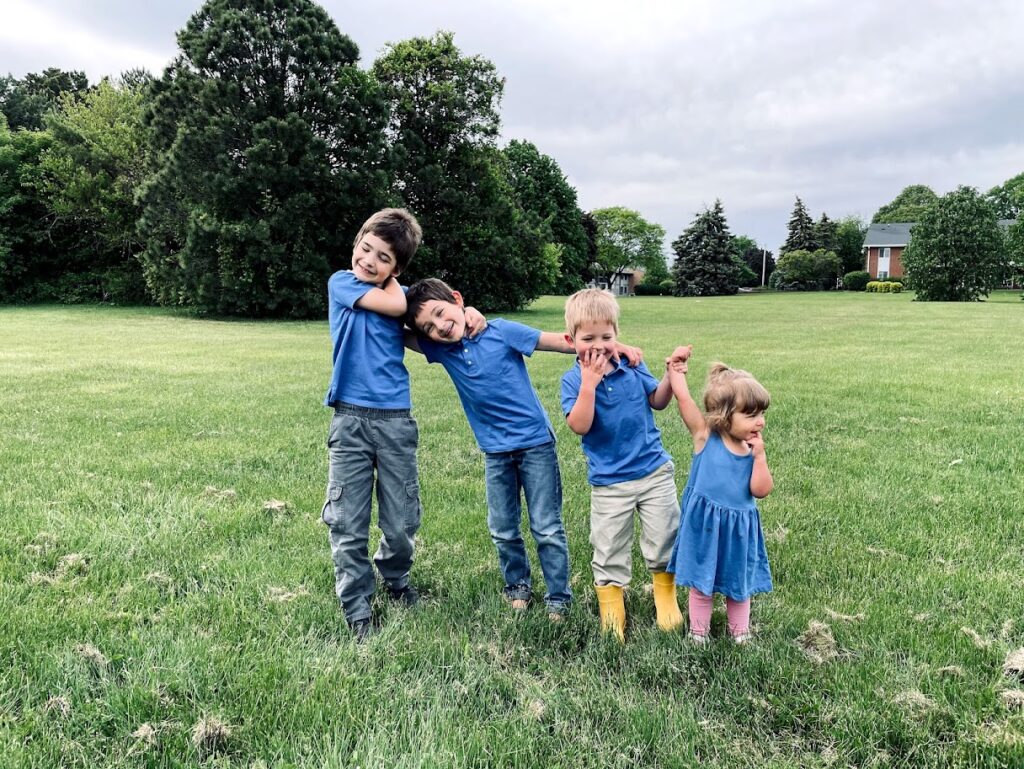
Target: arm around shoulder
[389,300]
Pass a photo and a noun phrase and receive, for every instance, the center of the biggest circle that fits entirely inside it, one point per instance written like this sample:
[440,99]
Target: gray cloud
[665,106]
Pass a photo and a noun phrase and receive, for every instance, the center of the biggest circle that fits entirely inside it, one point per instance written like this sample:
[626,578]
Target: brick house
[884,245]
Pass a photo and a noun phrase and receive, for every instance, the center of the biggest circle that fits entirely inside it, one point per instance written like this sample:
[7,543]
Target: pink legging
[700,614]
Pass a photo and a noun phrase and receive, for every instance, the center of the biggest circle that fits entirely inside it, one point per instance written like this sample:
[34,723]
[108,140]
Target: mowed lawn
[164,570]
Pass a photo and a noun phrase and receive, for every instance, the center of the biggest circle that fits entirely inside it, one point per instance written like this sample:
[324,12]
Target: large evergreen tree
[26,102]
[705,264]
[802,234]
[826,233]
[543,193]
[956,251]
[268,153]
[444,121]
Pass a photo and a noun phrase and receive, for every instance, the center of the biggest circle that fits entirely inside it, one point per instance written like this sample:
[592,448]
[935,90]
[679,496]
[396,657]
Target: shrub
[856,281]
[884,287]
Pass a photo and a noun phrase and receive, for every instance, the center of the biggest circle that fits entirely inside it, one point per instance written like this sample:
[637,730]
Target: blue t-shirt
[623,443]
[494,386]
[368,349]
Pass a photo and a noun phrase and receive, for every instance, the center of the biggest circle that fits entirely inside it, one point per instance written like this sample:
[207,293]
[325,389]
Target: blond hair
[729,390]
[591,305]
[399,229]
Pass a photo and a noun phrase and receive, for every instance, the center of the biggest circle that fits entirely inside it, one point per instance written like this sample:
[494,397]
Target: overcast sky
[664,106]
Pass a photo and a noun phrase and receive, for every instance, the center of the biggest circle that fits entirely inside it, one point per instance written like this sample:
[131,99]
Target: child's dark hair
[423,291]
[399,229]
[729,390]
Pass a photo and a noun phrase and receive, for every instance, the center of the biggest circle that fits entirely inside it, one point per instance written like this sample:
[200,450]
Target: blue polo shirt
[623,443]
[494,386]
[368,350]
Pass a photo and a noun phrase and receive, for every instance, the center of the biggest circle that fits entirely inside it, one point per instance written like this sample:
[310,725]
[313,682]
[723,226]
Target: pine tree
[705,264]
[269,151]
[826,233]
[802,236]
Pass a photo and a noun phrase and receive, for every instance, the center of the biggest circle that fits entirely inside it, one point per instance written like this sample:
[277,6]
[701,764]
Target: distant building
[623,283]
[884,245]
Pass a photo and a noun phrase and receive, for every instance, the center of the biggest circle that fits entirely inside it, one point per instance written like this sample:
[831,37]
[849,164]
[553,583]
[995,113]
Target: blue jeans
[535,472]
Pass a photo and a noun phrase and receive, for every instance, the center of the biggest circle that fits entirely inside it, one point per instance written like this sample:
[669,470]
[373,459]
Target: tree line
[233,182]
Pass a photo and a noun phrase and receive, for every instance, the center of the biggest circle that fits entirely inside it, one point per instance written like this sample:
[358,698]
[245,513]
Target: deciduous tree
[956,251]
[444,120]
[626,240]
[909,206]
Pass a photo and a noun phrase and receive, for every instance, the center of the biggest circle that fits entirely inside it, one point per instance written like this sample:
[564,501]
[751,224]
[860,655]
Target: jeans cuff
[519,592]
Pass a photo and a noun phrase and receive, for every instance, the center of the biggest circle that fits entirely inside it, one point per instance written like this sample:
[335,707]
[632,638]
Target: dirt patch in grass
[210,735]
[817,643]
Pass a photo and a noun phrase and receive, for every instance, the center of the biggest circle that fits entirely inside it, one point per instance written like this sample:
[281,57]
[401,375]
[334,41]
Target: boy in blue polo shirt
[511,428]
[628,468]
[372,429]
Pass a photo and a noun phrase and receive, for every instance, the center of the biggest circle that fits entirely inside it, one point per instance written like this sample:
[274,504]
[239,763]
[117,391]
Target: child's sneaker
[697,640]
[406,596]
[742,639]
[519,604]
[556,614]
[361,629]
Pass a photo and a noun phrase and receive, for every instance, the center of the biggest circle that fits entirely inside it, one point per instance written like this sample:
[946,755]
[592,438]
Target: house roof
[898,233]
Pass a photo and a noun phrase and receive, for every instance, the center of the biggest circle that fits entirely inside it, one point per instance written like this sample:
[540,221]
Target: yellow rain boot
[613,610]
[665,603]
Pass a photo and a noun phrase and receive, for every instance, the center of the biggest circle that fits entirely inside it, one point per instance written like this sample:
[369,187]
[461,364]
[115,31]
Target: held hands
[592,365]
[676,363]
[475,322]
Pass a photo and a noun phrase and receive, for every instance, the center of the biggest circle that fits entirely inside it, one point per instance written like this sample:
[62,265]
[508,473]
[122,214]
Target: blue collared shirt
[623,443]
[368,350]
[494,386]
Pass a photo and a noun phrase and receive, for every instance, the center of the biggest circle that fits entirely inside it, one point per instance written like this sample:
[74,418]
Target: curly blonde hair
[729,390]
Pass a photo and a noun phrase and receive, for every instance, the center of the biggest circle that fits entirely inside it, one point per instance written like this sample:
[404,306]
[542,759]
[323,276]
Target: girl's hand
[676,366]
[475,321]
[592,367]
[756,445]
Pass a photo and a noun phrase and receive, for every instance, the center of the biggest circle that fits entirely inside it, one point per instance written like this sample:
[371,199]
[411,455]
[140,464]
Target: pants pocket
[413,511]
[333,513]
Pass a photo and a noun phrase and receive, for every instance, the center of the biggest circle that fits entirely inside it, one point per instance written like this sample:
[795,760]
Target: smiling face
[373,260]
[441,321]
[743,427]
[599,336]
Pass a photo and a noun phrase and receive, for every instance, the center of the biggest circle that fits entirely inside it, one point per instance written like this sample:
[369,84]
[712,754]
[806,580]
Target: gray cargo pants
[362,441]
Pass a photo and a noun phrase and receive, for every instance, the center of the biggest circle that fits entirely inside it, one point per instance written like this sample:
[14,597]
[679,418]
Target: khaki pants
[611,524]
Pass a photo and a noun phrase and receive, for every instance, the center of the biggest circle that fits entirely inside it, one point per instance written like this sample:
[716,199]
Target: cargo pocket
[333,514]
[413,511]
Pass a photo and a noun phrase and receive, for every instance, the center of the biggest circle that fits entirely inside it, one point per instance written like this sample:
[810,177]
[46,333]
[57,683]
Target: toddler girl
[720,546]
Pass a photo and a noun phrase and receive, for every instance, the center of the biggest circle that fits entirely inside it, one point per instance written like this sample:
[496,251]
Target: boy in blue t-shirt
[609,405]
[511,428]
[372,429]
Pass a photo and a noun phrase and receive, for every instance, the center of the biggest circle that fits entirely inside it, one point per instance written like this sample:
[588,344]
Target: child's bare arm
[553,342]
[388,300]
[661,397]
[690,412]
[761,481]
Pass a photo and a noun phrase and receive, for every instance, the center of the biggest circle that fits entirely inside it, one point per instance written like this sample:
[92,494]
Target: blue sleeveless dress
[720,546]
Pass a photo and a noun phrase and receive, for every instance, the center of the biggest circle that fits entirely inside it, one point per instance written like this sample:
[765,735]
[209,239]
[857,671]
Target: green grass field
[148,589]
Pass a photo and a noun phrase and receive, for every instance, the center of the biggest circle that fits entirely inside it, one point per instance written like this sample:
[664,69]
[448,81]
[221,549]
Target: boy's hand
[756,445]
[475,321]
[681,353]
[633,355]
[592,368]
